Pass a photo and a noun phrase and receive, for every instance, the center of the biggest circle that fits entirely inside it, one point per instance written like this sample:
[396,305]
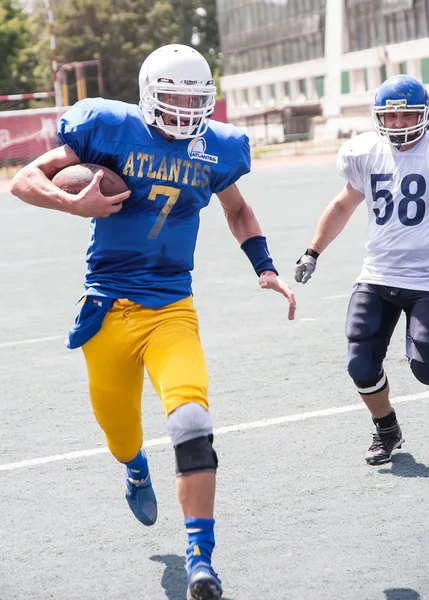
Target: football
[75,178]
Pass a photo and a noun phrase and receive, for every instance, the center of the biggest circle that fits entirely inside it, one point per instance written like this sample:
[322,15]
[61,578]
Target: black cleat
[384,443]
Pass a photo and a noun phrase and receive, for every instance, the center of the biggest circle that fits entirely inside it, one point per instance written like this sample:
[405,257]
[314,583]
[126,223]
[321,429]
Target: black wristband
[312,253]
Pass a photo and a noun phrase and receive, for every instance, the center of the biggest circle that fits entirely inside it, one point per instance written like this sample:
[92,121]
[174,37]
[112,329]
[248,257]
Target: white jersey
[396,188]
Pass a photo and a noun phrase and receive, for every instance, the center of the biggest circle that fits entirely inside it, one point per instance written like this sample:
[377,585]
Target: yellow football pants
[166,342]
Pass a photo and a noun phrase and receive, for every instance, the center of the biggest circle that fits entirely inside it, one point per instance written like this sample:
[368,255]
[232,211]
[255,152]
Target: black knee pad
[195,456]
[360,366]
[420,371]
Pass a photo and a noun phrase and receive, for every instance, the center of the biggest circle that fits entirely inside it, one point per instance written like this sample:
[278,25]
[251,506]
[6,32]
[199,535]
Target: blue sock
[201,541]
[138,468]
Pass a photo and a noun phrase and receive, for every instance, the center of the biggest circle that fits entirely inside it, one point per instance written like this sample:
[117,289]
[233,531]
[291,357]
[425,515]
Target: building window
[345,82]
[302,87]
[390,25]
[403,68]
[422,18]
[319,84]
[287,89]
[383,73]
[286,31]
[424,67]
[375,23]
[365,78]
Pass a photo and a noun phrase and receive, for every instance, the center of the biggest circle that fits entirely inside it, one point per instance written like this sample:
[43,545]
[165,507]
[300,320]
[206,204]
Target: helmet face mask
[401,94]
[177,91]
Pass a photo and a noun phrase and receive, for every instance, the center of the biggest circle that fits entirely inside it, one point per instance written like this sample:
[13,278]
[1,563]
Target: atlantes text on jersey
[146,251]
[396,188]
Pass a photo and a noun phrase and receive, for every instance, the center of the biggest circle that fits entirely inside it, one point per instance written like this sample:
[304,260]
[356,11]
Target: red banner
[26,134]
[220,111]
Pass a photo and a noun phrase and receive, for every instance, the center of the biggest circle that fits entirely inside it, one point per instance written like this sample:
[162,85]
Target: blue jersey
[146,251]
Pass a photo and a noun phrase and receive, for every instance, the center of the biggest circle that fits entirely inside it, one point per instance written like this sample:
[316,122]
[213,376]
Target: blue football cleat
[203,583]
[142,501]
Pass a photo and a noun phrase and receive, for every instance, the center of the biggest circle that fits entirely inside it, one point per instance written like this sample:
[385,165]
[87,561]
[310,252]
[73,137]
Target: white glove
[305,268]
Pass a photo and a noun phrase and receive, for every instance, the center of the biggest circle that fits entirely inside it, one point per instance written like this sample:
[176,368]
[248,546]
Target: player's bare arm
[331,223]
[240,216]
[335,217]
[33,185]
[245,228]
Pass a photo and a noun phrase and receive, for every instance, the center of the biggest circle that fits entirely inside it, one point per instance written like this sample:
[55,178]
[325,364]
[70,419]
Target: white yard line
[220,431]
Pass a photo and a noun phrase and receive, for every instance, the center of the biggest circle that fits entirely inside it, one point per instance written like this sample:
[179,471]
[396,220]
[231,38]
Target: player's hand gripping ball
[99,191]
[75,178]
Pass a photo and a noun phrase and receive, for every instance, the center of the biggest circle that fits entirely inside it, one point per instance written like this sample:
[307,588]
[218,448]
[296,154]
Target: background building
[310,68]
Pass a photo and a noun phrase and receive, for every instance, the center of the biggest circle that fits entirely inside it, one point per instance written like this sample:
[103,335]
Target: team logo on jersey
[197,149]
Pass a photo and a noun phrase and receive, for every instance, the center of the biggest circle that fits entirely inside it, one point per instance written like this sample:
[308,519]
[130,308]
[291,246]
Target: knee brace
[191,431]
[195,456]
[420,371]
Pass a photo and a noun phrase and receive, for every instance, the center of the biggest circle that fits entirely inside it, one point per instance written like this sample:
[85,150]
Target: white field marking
[40,261]
[164,441]
[33,341]
[308,319]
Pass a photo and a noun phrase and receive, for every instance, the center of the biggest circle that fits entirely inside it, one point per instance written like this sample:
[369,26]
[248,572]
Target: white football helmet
[176,80]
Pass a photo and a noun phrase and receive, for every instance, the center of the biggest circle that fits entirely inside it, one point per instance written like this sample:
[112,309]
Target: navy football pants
[372,316]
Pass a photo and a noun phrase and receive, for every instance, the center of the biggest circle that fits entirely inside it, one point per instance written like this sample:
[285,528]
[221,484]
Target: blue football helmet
[401,93]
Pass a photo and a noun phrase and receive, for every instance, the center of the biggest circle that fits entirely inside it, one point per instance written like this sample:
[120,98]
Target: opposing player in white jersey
[389,168]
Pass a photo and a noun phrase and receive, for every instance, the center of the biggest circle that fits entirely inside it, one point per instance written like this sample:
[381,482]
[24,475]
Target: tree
[206,31]
[16,49]
[197,26]
[120,33]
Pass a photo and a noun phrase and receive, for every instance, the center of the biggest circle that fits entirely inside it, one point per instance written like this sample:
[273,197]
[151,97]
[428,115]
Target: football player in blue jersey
[389,169]
[138,310]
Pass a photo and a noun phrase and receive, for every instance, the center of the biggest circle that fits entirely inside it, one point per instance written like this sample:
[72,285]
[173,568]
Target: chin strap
[398,142]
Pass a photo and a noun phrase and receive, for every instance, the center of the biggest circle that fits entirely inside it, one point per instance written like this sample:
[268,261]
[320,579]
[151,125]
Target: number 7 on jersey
[172,197]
